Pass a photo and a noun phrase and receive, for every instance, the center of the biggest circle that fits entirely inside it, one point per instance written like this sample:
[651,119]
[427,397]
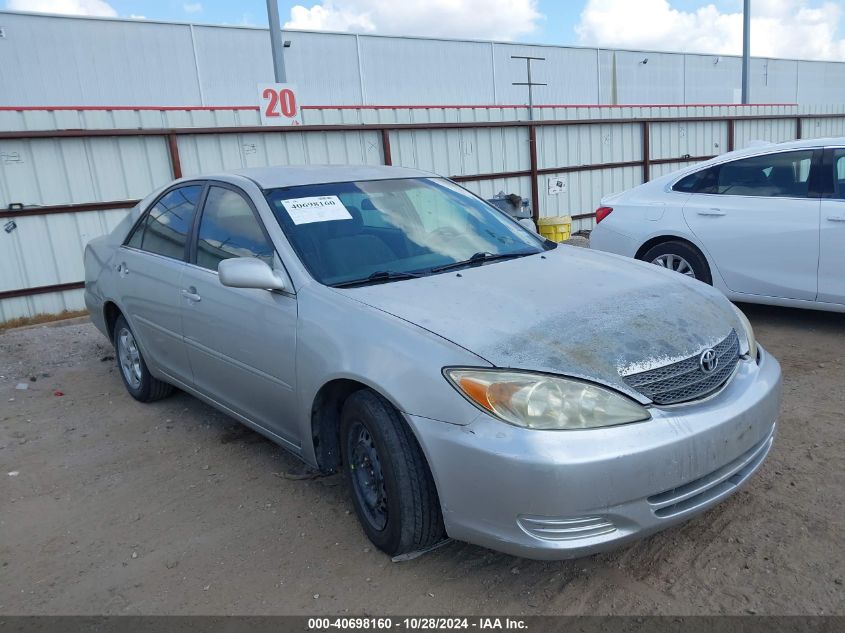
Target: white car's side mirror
[249,272]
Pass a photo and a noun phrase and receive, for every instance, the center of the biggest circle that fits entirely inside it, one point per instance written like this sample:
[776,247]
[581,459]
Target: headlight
[538,401]
[751,341]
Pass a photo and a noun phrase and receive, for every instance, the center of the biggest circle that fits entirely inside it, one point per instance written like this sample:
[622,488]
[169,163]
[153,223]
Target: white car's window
[347,232]
[229,228]
[839,174]
[782,174]
[165,227]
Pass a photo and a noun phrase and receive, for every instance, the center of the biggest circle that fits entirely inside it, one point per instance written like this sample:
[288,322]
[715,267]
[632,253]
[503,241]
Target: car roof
[295,175]
[806,142]
[760,147]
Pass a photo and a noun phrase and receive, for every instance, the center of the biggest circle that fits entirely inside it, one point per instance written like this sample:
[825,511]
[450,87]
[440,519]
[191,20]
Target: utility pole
[528,59]
[746,48]
[276,43]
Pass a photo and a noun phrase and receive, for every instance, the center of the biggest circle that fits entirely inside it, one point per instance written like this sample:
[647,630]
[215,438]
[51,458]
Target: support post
[746,49]
[385,146]
[731,129]
[646,153]
[276,44]
[798,130]
[175,163]
[535,187]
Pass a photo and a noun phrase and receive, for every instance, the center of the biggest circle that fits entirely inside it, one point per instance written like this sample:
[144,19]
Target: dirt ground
[108,506]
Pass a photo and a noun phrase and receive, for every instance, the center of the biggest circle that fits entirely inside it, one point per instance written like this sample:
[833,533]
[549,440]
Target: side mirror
[249,272]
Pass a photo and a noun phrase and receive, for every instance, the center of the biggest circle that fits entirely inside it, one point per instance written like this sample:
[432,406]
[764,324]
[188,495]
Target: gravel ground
[108,506]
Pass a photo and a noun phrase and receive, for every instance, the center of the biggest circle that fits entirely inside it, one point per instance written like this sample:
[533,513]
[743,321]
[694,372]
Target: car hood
[571,311]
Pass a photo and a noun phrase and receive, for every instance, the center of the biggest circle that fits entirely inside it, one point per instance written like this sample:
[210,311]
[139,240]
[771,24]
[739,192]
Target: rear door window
[165,227]
[839,174]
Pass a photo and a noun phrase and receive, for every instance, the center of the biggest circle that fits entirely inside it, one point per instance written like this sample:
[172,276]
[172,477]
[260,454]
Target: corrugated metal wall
[64,60]
[47,250]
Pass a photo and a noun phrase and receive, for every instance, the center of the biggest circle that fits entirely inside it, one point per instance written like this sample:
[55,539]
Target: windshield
[381,230]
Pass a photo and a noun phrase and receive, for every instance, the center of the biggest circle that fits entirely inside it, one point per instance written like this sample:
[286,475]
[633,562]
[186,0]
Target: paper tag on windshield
[316,209]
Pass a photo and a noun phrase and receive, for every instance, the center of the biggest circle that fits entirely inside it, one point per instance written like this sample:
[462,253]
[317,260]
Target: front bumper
[564,494]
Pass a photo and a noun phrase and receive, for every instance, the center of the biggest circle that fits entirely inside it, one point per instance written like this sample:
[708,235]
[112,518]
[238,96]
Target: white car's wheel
[681,257]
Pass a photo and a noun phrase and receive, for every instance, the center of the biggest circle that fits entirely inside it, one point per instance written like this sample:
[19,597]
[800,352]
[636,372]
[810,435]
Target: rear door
[150,266]
[758,218]
[832,240]
[241,341]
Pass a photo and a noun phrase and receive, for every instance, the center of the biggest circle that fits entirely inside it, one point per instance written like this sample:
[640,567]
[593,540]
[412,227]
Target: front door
[759,221]
[241,341]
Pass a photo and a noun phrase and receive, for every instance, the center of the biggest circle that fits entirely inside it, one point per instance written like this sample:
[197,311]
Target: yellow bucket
[557,228]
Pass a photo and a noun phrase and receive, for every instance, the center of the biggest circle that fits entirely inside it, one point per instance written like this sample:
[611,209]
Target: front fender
[340,338]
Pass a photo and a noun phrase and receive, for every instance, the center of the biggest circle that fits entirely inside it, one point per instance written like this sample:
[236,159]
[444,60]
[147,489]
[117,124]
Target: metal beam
[41,290]
[67,208]
[299,129]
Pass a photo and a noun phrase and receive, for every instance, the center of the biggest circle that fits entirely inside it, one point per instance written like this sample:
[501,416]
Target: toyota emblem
[708,361]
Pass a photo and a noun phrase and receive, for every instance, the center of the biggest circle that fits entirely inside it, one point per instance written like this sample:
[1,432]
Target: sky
[805,29]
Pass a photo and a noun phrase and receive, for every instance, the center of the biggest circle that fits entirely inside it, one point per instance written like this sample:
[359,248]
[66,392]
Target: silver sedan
[470,378]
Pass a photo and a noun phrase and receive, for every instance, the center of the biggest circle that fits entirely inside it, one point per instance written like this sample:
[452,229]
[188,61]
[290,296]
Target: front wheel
[137,379]
[682,258]
[392,488]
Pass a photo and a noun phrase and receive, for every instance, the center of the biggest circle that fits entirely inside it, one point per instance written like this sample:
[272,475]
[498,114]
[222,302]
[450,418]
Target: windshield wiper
[478,258]
[380,276]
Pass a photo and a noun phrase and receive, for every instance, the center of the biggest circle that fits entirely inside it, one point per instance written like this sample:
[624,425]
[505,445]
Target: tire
[374,437]
[132,368]
[681,257]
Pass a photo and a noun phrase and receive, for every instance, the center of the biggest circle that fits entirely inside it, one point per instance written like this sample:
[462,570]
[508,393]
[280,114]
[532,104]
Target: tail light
[602,213]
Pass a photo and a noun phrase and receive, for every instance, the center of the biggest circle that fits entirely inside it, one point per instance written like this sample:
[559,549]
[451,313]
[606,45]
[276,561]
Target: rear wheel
[682,258]
[392,488]
[140,384]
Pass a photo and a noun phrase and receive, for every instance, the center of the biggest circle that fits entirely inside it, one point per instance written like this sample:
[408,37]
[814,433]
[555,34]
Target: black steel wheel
[367,476]
[391,485]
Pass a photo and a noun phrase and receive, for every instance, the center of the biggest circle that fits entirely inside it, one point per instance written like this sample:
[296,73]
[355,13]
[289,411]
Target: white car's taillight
[602,213]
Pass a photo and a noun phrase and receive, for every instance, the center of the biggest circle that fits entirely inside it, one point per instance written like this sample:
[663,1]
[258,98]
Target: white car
[763,225]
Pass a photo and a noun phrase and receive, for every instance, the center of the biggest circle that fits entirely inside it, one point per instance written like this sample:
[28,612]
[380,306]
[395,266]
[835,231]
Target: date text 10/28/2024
[417,623]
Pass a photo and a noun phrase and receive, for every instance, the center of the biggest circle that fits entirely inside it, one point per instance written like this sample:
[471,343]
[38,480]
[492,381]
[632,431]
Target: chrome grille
[685,380]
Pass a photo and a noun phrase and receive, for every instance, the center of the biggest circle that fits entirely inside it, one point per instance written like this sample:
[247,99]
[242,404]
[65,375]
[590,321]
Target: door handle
[717,212]
[836,218]
[122,269]
[191,294]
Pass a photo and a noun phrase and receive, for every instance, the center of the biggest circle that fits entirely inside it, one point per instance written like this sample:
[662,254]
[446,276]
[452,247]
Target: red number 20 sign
[278,104]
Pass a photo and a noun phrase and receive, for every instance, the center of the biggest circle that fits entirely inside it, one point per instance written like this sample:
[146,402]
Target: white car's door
[832,239]
[758,218]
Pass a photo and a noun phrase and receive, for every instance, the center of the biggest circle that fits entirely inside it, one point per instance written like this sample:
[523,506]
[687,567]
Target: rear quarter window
[702,181]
